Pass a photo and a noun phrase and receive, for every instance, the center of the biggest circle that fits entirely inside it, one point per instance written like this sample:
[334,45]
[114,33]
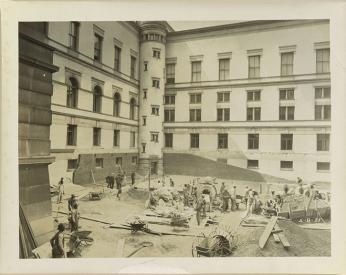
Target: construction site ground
[304,242]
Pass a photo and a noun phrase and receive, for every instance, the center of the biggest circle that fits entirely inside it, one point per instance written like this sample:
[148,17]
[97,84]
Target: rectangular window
[253,113]
[132,139]
[170,73]
[222,141]
[223,97]
[143,147]
[254,66]
[98,47]
[323,166]
[168,140]
[145,66]
[195,98]
[322,142]
[322,92]
[169,99]
[196,70]
[117,54]
[156,83]
[99,163]
[133,67]
[145,93]
[223,114]
[169,115]
[254,95]
[144,120]
[154,137]
[72,164]
[322,61]
[224,69]
[134,160]
[195,114]
[156,53]
[71,135]
[74,33]
[96,136]
[322,112]
[253,141]
[155,110]
[252,163]
[286,94]
[286,165]
[287,63]
[116,138]
[194,140]
[286,113]
[286,141]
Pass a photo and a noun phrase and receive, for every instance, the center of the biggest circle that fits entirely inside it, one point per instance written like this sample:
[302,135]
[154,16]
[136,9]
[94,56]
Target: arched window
[97,99]
[116,107]
[72,92]
[132,108]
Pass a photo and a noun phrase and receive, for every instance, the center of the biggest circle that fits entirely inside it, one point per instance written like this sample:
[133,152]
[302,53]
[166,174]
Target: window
[287,63]
[286,94]
[322,61]
[322,142]
[168,140]
[223,114]
[253,113]
[252,163]
[133,108]
[286,113]
[143,147]
[145,93]
[323,166]
[322,112]
[194,141]
[170,73]
[254,95]
[71,135]
[134,160]
[72,164]
[74,33]
[133,67]
[224,69]
[196,68]
[116,138]
[97,97]
[132,139]
[286,141]
[169,115]
[155,110]
[98,47]
[254,66]
[154,137]
[195,114]
[99,163]
[96,136]
[253,141]
[146,66]
[119,161]
[72,92]
[117,55]
[322,92]
[156,83]
[223,96]
[195,98]
[286,165]
[222,141]
[144,120]
[169,99]
[116,107]
[156,53]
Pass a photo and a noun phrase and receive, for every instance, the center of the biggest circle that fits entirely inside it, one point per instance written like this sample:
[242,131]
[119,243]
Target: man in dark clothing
[199,208]
[225,198]
[119,180]
[57,243]
[71,201]
[108,182]
[111,181]
[133,178]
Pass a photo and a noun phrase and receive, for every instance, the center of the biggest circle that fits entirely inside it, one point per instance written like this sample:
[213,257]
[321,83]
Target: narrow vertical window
[254,66]
[74,33]
[132,109]
[72,93]
[287,63]
[97,98]
[117,101]
[117,55]
[322,61]
[196,67]
[133,67]
[98,47]
[224,68]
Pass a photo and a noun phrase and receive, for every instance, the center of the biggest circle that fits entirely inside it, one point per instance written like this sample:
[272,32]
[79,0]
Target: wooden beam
[283,238]
[276,238]
[267,231]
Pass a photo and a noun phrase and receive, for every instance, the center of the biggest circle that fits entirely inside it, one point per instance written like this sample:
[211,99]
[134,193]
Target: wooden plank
[316,226]
[275,231]
[267,231]
[276,238]
[120,248]
[85,218]
[253,225]
[283,238]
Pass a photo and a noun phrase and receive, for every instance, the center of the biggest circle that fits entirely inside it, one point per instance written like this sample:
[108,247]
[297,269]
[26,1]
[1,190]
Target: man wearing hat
[71,201]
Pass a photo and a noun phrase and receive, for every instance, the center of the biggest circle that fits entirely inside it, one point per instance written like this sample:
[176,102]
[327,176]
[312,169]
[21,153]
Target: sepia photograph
[174,138]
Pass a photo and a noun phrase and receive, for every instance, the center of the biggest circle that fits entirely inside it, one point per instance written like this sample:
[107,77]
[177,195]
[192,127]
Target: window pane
[226,114]
[257,113]
[327,111]
[282,113]
[290,113]
[318,112]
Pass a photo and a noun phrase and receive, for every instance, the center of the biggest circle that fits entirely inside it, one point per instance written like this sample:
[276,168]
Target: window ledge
[252,168]
[323,171]
[286,169]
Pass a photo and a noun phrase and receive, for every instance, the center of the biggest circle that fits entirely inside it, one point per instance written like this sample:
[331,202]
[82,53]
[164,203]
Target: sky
[187,25]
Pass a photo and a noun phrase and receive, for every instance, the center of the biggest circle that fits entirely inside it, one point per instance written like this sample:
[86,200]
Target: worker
[74,219]
[133,178]
[60,190]
[118,181]
[222,187]
[171,182]
[111,181]
[234,198]
[58,243]
[246,195]
[225,198]
[200,206]
[186,195]
[194,195]
[71,201]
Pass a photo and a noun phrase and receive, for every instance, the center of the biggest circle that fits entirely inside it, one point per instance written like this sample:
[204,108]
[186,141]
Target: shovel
[143,244]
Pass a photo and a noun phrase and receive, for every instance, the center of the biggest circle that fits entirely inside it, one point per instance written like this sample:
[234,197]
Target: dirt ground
[303,242]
